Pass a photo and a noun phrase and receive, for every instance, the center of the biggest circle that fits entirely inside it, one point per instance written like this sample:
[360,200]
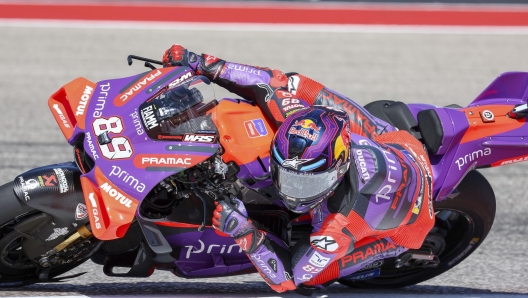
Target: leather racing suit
[381,208]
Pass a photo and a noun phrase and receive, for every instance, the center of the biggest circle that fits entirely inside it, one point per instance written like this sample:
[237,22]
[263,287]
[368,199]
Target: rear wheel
[16,269]
[462,223]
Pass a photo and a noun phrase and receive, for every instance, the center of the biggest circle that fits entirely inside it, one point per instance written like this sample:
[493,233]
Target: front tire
[463,221]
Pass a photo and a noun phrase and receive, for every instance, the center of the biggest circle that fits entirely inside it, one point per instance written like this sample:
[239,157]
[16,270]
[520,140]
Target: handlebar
[148,62]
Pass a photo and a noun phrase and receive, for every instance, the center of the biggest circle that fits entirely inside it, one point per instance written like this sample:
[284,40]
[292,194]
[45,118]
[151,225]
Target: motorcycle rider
[375,208]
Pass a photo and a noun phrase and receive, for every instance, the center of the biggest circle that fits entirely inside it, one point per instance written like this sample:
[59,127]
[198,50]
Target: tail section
[509,85]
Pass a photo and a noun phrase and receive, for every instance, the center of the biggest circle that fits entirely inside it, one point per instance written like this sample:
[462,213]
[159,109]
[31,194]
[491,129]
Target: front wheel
[462,223]
[16,269]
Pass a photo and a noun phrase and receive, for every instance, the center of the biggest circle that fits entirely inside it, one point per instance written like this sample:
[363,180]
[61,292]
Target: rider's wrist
[250,240]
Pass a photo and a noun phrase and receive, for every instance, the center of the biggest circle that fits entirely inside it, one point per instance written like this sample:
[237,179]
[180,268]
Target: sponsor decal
[169,137]
[127,178]
[364,275]
[269,91]
[273,264]
[510,161]
[149,118]
[472,244]
[487,116]
[84,100]
[366,252]
[295,162]
[430,199]
[199,138]
[61,116]
[287,275]
[361,164]
[391,183]
[81,212]
[63,182]
[216,247]
[57,232]
[210,60]
[231,225]
[166,161]
[31,184]
[373,265]
[27,186]
[311,269]
[461,161]
[91,146]
[125,97]
[428,179]
[95,210]
[292,106]
[243,68]
[417,204]
[289,103]
[293,84]
[255,128]
[305,277]
[307,129]
[318,260]
[180,80]
[324,242]
[364,142]
[290,112]
[48,180]
[116,195]
[101,100]
[137,123]
[142,161]
[209,132]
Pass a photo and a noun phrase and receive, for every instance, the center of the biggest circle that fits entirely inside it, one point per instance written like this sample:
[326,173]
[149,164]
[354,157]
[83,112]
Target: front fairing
[132,147]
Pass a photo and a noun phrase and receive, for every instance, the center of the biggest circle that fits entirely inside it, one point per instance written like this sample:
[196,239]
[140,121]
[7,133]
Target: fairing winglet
[68,105]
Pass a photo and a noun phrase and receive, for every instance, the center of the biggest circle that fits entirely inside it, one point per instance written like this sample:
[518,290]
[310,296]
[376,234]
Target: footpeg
[417,258]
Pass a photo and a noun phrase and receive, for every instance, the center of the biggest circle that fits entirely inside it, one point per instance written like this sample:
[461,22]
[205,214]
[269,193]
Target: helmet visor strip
[303,186]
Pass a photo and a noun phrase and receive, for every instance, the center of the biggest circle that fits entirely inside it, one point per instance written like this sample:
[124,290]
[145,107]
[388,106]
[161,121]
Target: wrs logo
[199,138]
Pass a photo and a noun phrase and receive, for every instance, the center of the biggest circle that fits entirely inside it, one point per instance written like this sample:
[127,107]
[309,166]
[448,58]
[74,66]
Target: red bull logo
[307,124]
[308,129]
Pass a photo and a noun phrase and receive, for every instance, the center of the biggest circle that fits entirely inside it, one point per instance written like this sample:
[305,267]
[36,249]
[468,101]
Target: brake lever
[147,64]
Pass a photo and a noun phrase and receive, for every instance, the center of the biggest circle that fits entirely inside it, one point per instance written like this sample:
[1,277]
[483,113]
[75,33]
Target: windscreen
[180,112]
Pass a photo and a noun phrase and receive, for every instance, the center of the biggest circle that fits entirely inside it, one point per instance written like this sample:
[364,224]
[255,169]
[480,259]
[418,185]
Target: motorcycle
[152,152]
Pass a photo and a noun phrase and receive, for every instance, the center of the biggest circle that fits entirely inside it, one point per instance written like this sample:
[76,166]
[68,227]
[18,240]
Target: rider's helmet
[310,155]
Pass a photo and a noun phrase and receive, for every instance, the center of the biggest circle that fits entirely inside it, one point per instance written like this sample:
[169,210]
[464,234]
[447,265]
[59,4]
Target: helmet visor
[300,186]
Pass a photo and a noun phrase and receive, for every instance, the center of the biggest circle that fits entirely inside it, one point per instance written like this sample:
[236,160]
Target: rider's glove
[232,219]
[177,55]
[204,64]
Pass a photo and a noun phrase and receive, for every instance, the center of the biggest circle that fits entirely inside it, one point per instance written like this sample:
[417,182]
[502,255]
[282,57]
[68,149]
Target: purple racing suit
[380,209]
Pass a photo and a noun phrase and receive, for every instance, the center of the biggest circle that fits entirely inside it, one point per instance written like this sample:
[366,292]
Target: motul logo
[199,138]
[116,195]
[84,100]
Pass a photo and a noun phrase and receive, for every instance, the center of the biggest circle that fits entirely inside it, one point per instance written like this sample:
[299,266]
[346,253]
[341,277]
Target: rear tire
[15,267]
[469,216]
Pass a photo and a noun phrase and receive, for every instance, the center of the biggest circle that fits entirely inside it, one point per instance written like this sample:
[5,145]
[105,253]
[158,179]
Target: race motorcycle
[152,152]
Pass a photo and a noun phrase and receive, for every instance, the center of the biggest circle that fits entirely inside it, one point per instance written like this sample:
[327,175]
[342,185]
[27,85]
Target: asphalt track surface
[412,66]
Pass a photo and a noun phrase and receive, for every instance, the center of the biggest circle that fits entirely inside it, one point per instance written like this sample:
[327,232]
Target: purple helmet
[310,155]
